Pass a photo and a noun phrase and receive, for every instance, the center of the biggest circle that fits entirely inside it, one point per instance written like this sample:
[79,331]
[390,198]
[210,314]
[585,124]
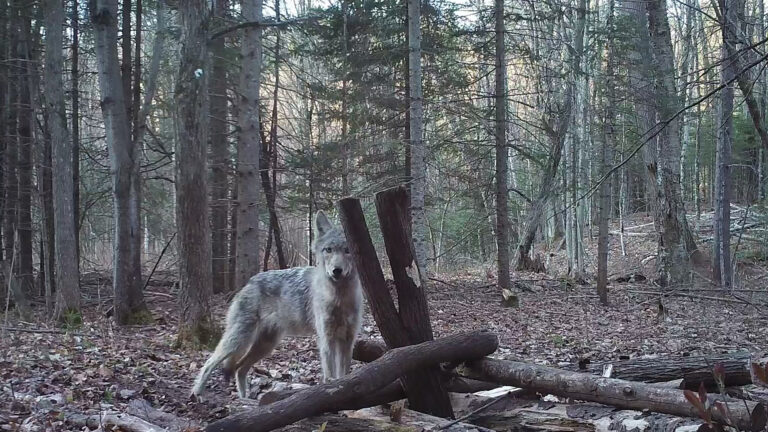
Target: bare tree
[192,109]
[67,277]
[219,157]
[24,128]
[248,148]
[418,152]
[502,160]
[721,257]
[129,306]
[676,244]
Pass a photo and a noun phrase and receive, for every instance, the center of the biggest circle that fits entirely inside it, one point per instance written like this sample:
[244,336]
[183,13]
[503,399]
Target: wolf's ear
[322,224]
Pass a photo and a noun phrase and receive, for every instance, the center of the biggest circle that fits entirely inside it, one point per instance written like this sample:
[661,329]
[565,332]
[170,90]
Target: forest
[410,215]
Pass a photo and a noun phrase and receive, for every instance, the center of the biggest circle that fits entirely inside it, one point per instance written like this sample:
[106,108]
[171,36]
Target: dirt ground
[48,375]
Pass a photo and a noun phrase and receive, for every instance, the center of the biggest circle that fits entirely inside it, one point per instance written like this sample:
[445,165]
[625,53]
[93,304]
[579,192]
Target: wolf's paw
[195,397]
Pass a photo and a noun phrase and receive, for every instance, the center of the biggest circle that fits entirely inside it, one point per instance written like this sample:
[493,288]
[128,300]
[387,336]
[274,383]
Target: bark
[676,246]
[67,276]
[502,159]
[248,149]
[428,395]
[192,109]
[125,59]
[692,370]
[219,158]
[129,303]
[619,393]
[10,153]
[392,325]
[24,127]
[75,77]
[721,257]
[606,162]
[364,381]
[418,152]
[46,197]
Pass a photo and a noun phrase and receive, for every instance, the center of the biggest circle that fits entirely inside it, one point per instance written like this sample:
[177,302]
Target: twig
[158,261]
[262,24]
[473,412]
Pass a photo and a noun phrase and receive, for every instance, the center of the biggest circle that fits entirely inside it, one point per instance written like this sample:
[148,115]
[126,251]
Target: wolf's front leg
[326,354]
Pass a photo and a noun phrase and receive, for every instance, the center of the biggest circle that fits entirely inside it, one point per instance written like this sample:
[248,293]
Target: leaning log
[693,370]
[368,379]
[748,416]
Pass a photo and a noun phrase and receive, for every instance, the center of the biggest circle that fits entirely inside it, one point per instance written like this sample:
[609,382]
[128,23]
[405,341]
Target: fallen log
[390,393]
[169,422]
[370,420]
[747,416]
[693,370]
[109,419]
[339,394]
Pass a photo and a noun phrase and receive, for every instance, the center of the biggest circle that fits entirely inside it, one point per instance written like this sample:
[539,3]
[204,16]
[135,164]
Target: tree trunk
[410,282]
[25,142]
[676,246]
[10,152]
[248,148]
[721,257]
[502,160]
[609,391]
[67,277]
[606,162]
[418,151]
[219,155]
[129,303]
[196,326]
[75,24]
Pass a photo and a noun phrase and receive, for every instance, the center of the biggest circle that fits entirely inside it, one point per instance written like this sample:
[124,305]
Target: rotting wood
[366,380]
[747,416]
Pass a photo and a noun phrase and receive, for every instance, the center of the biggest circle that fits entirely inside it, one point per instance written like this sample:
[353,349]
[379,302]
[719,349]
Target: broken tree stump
[429,394]
[746,416]
[424,389]
[692,370]
[338,395]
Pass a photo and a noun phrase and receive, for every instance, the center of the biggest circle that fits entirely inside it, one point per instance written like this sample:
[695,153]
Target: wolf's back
[275,298]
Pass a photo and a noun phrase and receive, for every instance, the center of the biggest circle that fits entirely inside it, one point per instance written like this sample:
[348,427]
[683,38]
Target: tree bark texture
[192,109]
[67,277]
[219,158]
[502,159]
[248,149]
[24,127]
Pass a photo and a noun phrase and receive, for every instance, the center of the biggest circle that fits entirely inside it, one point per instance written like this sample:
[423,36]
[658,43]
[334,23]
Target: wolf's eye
[327,250]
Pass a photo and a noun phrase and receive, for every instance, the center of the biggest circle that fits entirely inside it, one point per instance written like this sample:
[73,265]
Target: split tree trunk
[423,394]
[67,277]
[192,105]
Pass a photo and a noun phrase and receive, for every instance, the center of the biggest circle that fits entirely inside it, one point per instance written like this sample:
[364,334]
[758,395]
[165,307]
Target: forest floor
[46,374]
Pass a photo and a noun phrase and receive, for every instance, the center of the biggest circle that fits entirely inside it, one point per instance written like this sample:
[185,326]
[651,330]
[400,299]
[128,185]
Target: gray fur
[325,299]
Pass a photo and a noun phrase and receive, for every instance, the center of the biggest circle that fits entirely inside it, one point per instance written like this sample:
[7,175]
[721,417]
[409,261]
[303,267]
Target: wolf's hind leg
[234,344]
[265,342]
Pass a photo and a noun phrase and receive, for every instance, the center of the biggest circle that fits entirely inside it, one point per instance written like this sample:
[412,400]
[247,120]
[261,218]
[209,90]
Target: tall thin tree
[196,326]
[502,160]
[248,148]
[67,278]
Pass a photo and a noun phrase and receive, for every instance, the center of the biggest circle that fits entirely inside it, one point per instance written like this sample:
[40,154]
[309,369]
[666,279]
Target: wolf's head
[331,249]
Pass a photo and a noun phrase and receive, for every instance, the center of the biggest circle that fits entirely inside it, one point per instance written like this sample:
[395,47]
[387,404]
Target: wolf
[325,299]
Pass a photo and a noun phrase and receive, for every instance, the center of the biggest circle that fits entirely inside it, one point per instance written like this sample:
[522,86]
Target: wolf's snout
[337,272]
